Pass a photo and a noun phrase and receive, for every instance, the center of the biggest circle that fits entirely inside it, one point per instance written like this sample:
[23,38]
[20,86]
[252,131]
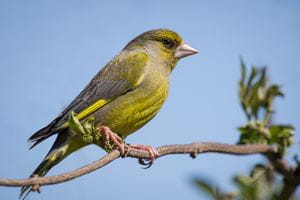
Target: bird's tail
[61,148]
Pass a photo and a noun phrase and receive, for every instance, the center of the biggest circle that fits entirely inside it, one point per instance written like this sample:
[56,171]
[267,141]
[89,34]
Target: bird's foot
[152,151]
[109,136]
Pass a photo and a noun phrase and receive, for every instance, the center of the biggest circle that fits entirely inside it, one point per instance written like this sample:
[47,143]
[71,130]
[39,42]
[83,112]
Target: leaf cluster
[257,96]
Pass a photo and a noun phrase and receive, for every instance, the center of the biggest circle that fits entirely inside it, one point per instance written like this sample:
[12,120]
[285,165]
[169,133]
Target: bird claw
[109,136]
[152,151]
[146,162]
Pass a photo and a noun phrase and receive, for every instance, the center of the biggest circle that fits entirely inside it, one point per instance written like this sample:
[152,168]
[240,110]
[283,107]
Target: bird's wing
[122,74]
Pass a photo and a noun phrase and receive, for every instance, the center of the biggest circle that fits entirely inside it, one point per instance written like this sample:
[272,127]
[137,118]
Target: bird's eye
[168,43]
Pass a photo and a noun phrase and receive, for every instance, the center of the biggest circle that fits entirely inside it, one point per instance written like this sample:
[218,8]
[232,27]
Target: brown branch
[291,175]
[192,149]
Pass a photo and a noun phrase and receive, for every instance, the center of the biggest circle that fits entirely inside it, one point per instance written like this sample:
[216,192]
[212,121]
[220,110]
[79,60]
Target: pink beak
[184,50]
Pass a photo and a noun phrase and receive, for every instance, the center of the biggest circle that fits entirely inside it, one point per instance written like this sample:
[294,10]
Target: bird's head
[163,44]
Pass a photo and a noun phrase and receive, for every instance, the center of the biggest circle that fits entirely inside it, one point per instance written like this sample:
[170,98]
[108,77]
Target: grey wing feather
[100,89]
[113,80]
[103,89]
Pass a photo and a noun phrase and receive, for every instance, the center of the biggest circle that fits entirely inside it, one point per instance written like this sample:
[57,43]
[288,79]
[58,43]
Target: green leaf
[259,185]
[244,71]
[282,135]
[86,129]
[75,124]
[206,187]
[256,94]
[252,76]
[88,125]
[213,191]
[254,133]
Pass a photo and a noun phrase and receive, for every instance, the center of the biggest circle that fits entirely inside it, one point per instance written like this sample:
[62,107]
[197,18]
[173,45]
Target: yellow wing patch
[89,110]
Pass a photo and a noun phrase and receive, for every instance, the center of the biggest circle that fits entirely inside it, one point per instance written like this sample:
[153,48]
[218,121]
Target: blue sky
[50,50]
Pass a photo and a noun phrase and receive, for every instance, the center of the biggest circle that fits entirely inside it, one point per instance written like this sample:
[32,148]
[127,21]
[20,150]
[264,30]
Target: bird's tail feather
[44,133]
[60,150]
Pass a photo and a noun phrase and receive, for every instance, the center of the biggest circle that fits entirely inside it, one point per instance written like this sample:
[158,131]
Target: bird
[122,97]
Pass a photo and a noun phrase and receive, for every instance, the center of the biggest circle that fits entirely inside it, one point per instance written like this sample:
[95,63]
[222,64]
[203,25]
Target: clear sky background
[50,50]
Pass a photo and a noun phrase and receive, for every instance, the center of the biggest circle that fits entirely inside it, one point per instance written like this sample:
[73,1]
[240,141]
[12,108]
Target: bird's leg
[108,136]
[152,151]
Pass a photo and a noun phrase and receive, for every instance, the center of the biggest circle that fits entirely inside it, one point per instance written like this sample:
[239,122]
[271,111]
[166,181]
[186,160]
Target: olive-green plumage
[126,94]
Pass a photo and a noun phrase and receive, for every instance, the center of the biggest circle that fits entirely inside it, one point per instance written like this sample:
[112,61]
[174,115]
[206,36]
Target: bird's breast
[133,110]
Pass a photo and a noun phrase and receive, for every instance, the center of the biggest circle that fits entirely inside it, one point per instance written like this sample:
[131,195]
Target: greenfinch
[122,97]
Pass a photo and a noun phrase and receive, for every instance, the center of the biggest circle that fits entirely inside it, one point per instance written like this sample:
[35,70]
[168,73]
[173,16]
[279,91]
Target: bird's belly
[133,110]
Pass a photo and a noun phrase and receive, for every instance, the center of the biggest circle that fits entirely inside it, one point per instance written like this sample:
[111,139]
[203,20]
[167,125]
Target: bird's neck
[165,61]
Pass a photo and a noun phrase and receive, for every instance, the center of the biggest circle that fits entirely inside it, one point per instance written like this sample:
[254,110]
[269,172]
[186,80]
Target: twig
[291,175]
[192,149]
